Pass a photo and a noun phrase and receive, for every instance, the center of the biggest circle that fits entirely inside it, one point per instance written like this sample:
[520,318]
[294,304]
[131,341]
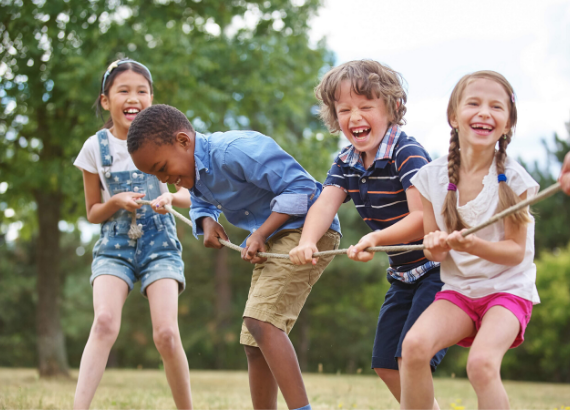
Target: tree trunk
[223,304]
[52,356]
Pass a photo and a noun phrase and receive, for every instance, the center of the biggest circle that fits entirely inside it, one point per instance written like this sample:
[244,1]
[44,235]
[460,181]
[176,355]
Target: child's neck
[119,132]
[474,162]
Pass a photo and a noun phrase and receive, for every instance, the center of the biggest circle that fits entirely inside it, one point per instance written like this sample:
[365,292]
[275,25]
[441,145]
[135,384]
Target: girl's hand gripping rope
[460,243]
[213,231]
[126,200]
[158,205]
[436,243]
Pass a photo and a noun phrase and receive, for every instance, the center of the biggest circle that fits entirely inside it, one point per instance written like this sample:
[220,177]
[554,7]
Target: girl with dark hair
[138,242]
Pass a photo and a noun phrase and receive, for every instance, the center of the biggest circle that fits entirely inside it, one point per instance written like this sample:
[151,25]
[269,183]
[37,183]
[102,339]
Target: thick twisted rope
[509,211]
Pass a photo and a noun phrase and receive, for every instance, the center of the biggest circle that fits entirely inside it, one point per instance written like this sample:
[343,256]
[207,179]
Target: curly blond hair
[368,78]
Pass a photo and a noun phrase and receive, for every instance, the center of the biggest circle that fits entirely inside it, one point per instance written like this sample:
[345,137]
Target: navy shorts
[403,305]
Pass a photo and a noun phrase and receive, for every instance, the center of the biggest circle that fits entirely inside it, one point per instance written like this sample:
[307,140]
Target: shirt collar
[353,157]
[201,154]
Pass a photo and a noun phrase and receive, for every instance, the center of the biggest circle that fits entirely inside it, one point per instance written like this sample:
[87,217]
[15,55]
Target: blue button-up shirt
[247,176]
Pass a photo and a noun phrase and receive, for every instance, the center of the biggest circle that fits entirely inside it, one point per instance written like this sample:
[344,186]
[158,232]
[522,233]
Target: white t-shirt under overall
[467,274]
[89,159]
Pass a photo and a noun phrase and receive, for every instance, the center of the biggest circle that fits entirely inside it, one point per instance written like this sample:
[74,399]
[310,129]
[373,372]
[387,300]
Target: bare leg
[163,300]
[280,356]
[109,295]
[498,331]
[262,384]
[392,379]
[441,325]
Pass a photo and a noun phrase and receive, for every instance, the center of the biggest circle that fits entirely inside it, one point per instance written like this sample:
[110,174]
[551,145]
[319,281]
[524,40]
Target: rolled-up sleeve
[261,162]
[201,209]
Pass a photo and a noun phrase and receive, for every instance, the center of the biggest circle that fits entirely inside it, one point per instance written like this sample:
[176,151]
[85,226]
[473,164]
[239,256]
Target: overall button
[219,207]
[136,188]
[107,174]
[363,180]
[135,175]
[246,212]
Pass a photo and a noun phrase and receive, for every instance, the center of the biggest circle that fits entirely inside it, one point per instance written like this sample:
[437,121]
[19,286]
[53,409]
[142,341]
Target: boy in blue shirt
[366,101]
[259,188]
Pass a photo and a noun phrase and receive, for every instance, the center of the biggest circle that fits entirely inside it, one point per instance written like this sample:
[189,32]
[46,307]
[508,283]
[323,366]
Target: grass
[147,389]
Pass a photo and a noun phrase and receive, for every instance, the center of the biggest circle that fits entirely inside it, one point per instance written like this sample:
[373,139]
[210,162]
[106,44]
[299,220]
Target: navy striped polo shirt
[379,192]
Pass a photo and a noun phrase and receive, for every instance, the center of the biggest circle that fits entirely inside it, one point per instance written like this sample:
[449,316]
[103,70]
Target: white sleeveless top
[467,274]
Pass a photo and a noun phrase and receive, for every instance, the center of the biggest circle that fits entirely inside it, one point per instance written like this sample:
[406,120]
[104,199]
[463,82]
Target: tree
[225,63]
[552,224]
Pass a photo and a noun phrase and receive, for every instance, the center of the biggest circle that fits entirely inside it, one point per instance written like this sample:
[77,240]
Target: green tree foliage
[227,64]
[552,217]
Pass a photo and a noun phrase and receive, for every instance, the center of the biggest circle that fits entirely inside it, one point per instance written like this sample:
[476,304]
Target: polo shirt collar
[353,157]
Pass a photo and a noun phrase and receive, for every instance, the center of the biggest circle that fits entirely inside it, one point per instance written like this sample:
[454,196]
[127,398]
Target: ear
[184,139]
[105,102]
[453,122]
[507,128]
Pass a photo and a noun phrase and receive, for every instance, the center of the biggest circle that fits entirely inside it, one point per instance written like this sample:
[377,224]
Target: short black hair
[158,124]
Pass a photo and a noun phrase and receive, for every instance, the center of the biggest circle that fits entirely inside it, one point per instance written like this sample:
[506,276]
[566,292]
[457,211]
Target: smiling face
[171,163]
[129,94]
[364,122]
[482,115]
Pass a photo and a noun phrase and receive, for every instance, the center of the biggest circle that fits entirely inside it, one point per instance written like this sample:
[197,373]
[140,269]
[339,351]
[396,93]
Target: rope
[509,211]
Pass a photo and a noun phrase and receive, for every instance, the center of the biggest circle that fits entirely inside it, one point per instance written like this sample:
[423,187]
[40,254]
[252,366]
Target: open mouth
[360,133]
[177,182]
[482,129]
[131,113]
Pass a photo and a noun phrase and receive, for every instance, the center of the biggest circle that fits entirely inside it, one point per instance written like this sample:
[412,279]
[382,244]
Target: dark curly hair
[157,124]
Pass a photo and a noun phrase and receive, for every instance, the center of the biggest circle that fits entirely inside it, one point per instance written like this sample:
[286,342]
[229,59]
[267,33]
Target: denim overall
[157,254]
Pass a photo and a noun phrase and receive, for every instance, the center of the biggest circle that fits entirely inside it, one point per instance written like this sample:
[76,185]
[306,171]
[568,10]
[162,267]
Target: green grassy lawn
[147,389]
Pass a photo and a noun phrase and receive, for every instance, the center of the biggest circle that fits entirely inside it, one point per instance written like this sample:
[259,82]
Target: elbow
[516,259]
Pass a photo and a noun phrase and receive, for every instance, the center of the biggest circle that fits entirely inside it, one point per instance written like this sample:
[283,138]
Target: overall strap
[106,157]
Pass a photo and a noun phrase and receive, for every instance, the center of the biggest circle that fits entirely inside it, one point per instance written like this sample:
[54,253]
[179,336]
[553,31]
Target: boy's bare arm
[256,242]
[319,219]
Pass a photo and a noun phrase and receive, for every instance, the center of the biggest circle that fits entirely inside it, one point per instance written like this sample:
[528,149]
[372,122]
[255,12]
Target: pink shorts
[477,308]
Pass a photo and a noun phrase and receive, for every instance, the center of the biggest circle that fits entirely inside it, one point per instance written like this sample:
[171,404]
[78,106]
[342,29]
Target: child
[489,276]
[565,175]
[365,100]
[112,185]
[262,189]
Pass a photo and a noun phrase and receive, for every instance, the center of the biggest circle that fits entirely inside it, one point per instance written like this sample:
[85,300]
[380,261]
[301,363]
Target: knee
[256,328]
[387,375]
[415,350]
[253,353]
[106,325]
[166,338]
[482,369]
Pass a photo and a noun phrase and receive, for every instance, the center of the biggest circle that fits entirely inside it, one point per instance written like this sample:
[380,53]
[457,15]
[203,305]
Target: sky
[434,43]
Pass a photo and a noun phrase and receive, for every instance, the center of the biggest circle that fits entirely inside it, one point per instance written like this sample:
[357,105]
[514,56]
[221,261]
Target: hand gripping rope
[539,197]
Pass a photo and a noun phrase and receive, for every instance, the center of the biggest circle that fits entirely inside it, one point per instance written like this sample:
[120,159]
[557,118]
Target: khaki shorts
[279,289]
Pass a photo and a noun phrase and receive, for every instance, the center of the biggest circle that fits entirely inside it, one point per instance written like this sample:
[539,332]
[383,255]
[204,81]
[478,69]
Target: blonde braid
[507,197]
[451,216]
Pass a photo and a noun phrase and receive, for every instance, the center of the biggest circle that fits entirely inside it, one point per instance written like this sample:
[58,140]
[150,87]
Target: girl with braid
[489,277]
